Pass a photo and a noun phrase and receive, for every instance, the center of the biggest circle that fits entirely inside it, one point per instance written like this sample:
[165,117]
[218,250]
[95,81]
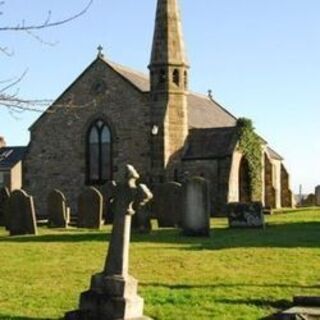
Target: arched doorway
[244,181]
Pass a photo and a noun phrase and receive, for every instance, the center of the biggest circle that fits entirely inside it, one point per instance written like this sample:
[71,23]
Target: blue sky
[260,58]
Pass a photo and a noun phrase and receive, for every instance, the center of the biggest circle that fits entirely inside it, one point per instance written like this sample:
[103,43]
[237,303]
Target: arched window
[99,153]
[244,181]
[185,79]
[176,77]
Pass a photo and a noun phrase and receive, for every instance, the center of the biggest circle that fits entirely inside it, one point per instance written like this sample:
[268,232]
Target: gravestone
[21,214]
[90,209]
[108,202]
[167,204]
[196,207]
[4,196]
[309,201]
[113,292]
[303,307]
[245,215]
[58,213]
[141,221]
[317,193]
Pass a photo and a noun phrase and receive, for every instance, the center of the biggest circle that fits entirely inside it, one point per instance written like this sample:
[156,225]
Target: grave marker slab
[58,213]
[113,292]
[90,209]
[4,196]
[196,207]
[167,204]
[141,221]
[21,214]
[246,215]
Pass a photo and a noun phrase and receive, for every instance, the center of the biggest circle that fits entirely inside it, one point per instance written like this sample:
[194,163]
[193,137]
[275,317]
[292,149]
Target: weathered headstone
[196,207]
[58,213]
[141,221]
[4,196]
[90,209]
[108,202]
[309,200]
[21,214]
[113,292]
[246,215]
[167,204]
[317,193]
[303,307]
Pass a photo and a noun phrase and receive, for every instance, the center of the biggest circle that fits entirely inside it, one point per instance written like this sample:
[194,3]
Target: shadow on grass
[286,235]
[223,285]
[279,305]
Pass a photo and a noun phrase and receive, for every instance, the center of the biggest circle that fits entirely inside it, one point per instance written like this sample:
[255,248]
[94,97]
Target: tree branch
[47,23]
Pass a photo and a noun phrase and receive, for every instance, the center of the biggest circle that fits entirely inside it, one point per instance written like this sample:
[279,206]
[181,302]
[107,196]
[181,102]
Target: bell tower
[168,93]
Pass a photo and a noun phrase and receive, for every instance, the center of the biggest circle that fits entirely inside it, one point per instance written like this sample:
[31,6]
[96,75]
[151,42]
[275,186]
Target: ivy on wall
[251,147]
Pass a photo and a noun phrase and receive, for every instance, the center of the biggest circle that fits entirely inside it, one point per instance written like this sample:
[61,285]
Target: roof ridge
[124,68]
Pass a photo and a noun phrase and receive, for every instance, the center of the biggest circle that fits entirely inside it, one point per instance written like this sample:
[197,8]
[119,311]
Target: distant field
[236,274]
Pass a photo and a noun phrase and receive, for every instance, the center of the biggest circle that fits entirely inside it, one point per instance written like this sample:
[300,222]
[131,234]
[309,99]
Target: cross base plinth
[82,315]
[110,298]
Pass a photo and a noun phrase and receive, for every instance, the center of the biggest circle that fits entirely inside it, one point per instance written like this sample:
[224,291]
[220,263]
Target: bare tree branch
[6,51]
[9,93]
[47,23]
[40,39]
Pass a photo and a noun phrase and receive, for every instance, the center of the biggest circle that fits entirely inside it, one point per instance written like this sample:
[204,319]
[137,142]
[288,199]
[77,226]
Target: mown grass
[236,274]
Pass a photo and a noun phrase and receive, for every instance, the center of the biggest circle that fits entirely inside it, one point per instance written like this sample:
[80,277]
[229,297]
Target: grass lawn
[236,274]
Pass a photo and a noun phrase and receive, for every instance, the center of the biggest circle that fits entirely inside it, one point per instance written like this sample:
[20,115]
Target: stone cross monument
[113,292]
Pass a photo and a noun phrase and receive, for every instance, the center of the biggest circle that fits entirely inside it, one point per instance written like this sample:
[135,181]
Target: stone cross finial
[113,292]
[128,196]
[100,51]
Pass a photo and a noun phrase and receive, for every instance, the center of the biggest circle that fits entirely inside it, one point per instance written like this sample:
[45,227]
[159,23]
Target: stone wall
[16,177]
[217,172]
[286,193]
[56,155]
[276,178]
[269,190]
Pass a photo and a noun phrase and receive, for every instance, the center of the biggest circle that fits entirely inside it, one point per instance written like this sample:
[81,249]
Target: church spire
[168,43]
[168,91]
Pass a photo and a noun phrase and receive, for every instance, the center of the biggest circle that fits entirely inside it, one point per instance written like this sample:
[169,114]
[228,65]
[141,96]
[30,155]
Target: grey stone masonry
[20,214]
[90,209]
[56,156]
[141,221]
[196,207]
[167,204]
[168,92]
[246,215]
[113,292]
[304,308]
[58,213]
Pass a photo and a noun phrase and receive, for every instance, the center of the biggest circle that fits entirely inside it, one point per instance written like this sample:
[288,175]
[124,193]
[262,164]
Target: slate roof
[10,156]
[211,143]
[203,111]
[212,128]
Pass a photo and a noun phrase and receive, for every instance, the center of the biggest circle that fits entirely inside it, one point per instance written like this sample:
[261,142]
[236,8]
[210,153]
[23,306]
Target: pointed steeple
[168,91]
[168,43]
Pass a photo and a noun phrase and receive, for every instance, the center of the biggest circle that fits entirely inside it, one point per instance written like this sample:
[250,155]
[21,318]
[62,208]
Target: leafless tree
[9,92]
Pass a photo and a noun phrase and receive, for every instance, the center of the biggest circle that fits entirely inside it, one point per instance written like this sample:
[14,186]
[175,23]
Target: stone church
[112,115]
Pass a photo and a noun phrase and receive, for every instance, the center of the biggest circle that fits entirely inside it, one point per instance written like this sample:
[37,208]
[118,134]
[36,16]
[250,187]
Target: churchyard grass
[236,274]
